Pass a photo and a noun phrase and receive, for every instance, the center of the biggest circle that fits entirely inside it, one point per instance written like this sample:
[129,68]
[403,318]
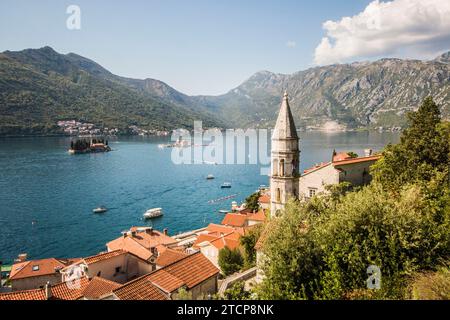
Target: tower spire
[285,126]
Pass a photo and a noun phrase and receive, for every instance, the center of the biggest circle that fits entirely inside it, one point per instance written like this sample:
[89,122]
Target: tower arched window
[278,195]
[282,168]
[275,167]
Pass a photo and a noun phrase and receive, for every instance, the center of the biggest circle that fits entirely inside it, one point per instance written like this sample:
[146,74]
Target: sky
[210,47]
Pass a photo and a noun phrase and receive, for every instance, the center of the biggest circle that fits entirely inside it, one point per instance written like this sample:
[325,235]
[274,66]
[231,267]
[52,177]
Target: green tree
[248,242]
[237,292]
[422,152]
[252,201]
[230,261]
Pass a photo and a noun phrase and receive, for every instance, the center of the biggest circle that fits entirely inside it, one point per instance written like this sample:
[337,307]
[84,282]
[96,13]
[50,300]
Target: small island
[88,146]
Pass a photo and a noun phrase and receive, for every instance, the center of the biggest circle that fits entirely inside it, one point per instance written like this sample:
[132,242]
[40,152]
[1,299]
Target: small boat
[224,211]
[153,213]
[100,210]
[226,185]
[209,177]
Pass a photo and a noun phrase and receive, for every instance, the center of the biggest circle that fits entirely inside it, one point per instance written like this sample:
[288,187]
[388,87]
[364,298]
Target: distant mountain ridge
[360,94]
[38,87]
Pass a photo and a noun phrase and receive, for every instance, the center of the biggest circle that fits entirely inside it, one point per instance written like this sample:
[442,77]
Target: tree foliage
[252,201]
[230,261]
[248,242]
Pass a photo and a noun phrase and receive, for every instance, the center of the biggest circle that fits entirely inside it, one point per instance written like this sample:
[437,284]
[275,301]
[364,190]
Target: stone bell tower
[284,180]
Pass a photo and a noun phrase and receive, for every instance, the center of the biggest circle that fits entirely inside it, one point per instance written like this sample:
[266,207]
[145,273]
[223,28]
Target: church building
[285,178]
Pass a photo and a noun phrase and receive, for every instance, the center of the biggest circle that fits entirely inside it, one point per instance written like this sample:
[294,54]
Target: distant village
[79,128]
[147,264]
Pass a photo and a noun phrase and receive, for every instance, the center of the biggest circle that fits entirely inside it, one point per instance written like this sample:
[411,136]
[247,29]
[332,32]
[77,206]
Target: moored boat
[209,177]
[226,185]
[153,213]
[101,209]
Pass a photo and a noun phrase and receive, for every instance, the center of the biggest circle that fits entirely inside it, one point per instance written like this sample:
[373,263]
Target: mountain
[38,87]
[361,94]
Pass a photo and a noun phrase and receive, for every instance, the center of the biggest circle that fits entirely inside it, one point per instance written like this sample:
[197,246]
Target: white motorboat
[153,213]
[100,210]
[209,177]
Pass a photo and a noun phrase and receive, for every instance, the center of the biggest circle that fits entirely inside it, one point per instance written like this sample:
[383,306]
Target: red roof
[141,241]
[189,271]
[169,256]
[234,220]
[35,294]
[70,290]
[36,268]
[98,287]
[357,160]
[104,256]
[264,199]
[193,270]
[140,289]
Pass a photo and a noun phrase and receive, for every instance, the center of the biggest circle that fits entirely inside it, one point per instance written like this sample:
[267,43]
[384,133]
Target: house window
[35,268]
[312,192]
[118,269]
[99,274]
[278,195]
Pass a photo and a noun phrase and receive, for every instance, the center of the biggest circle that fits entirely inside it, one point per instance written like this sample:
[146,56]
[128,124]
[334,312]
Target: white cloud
[291,44]
[412,27]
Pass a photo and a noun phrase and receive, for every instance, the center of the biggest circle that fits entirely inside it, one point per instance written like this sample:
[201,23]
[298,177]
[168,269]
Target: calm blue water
[41,182]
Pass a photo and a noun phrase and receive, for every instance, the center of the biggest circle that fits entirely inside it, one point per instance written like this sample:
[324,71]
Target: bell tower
[284,179]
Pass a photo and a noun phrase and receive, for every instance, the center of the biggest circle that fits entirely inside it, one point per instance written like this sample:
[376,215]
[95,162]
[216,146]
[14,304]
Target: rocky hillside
[364,94]
[38,87]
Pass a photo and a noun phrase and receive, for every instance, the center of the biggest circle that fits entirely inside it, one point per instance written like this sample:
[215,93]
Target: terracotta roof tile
[140,289]
[35,294]
[71,290]
[193,269]
[98,287]
[169,256]
[356,160]
[265,198]
[165,281]
[234,219]
[35,268]
[104,256]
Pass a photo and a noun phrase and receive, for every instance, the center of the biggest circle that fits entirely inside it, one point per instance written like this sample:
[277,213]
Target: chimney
[367,152]
[48,290]
[165,231]
[149,230]
[21,257]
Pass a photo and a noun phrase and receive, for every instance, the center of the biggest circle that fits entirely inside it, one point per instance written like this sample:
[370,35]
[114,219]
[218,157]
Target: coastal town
[143,263]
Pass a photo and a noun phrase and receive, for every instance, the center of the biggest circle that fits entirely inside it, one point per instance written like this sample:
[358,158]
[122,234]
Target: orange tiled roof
[193,269]
[165,281]
[104,256]
[258,216]
[189,271]
[44,267]
[356,160]
[69,290]
[264,199]
[141,242]
[140,289]
[339,156]
[169,256]
[212,227]
[316,167]
[98,287]
[35,294]
[231,241]
[234,219]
